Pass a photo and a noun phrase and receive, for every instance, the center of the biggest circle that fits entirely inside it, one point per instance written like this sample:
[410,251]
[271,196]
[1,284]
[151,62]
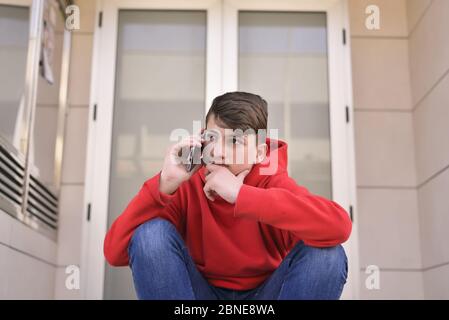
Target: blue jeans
[162,268]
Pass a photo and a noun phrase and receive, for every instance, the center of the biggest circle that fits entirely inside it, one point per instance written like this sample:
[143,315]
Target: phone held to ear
[195,155]
[194,158]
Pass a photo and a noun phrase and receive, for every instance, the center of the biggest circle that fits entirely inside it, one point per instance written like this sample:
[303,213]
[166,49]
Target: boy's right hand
[173,171]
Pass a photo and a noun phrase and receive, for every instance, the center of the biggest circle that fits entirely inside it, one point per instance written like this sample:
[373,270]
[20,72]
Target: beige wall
[401,100]
[27,261]
[74,160]
[429,67]
[385,153]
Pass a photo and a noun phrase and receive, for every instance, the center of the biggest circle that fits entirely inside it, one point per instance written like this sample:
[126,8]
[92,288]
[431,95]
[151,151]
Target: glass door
[283,57]
[155,69]
[160,85]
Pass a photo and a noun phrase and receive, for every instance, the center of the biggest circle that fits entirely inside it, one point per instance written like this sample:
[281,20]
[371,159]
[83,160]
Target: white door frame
[221,76]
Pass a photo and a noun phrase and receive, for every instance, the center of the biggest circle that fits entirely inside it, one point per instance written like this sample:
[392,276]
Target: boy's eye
[210,136]
[236,140]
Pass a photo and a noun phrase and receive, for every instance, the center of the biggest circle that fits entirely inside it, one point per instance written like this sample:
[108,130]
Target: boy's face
[231,149]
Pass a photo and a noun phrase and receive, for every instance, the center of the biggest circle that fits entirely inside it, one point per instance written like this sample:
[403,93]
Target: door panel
[283,57]
[159,86]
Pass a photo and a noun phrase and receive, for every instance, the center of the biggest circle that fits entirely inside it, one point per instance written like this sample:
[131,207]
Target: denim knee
[151,238]
[328,261]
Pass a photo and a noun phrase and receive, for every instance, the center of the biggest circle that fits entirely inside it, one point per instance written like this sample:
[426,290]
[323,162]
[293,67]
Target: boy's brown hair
[239,110]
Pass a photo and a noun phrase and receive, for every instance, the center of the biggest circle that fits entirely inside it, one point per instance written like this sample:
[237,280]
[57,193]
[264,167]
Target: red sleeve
[147,204]
[283,204]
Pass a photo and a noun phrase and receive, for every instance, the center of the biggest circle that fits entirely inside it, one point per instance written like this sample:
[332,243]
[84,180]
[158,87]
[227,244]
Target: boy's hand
[223,182]
[173,171]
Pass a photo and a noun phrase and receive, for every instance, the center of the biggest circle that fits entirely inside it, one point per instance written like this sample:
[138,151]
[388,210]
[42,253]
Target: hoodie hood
[275,163]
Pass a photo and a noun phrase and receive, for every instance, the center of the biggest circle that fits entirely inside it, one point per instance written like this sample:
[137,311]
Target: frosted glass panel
[14,29]
[160,85]
[283,57]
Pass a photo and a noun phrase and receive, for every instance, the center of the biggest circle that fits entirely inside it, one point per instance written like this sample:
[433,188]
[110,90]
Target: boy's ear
[262,150]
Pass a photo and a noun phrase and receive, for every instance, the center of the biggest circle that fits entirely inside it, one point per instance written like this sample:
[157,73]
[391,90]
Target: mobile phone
[194,157]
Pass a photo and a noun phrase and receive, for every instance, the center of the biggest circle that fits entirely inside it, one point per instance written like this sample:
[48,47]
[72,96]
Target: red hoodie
[235,246]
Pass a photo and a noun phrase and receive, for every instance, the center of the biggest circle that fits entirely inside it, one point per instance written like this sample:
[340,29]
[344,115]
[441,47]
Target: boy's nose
[218,154]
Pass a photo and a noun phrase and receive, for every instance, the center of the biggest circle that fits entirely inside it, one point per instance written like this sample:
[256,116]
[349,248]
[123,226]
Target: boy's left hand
[223,182]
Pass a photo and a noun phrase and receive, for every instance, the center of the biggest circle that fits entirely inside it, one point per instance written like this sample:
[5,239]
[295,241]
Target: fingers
[209,168]
[177,152]
[209,192]
[190,141]
[241,176]
[212,167]
[195,169]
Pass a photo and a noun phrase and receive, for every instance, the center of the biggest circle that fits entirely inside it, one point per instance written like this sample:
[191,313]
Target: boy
[226,231]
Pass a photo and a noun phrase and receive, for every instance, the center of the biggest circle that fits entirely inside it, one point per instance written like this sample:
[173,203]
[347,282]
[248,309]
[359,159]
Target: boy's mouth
[227,166]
